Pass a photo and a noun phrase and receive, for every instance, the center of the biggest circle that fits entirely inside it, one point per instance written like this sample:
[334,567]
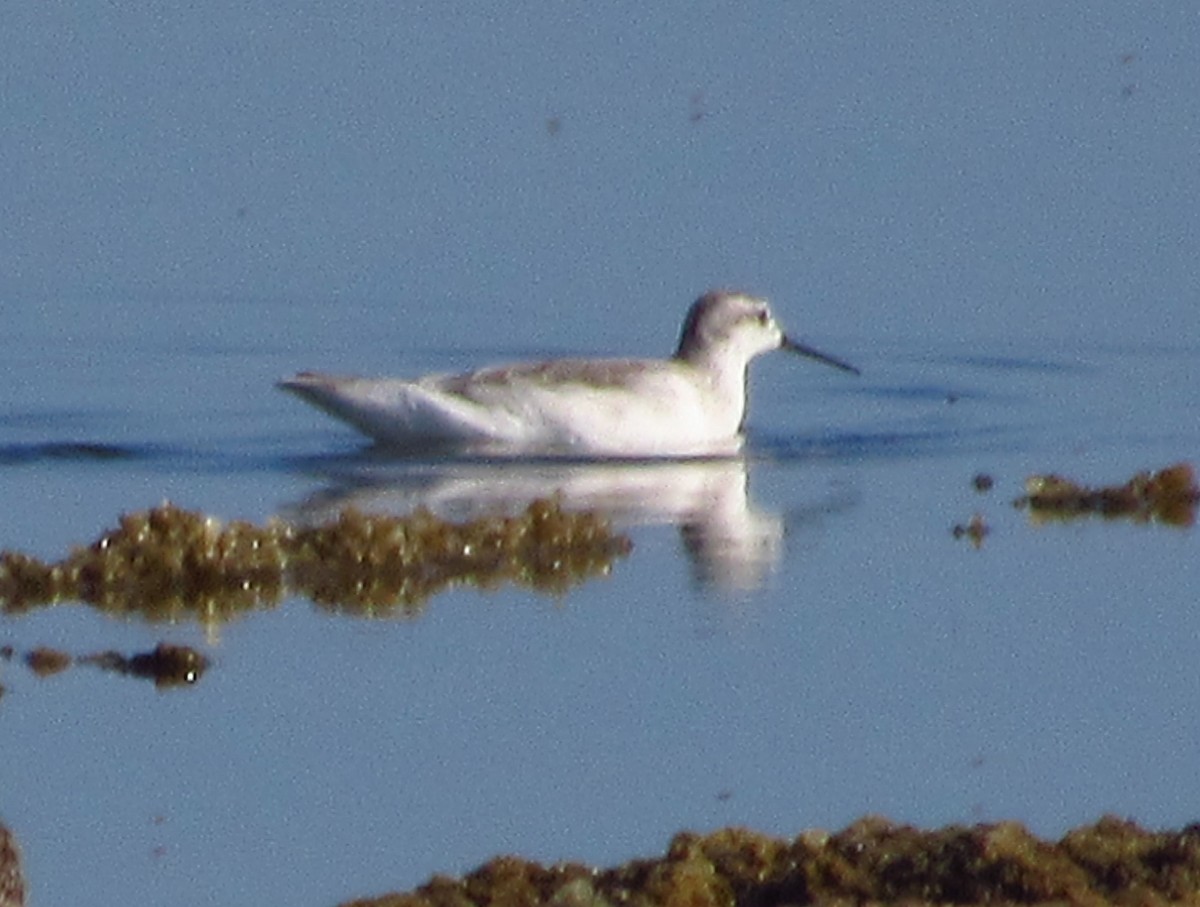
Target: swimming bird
[693,404]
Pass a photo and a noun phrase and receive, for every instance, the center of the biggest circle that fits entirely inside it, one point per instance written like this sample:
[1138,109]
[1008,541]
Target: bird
[690,405]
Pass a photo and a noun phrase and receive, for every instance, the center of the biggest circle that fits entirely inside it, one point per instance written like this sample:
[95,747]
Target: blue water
[799,653]
[991,210]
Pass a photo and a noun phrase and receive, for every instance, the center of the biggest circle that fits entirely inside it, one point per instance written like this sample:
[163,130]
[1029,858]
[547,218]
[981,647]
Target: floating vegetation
[872,861]
[166,664]
[170,564]
[12,879]
[1168,496]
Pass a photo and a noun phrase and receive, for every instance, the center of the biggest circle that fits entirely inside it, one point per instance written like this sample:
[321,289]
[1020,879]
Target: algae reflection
[171,564]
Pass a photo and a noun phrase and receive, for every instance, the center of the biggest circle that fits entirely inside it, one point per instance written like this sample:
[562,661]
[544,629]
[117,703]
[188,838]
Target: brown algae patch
[168,665]
[12,879]
[168,563]
[163,564]
[1168,496]
[872,861]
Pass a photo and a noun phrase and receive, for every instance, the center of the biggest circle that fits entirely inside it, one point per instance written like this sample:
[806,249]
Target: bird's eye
[764,317]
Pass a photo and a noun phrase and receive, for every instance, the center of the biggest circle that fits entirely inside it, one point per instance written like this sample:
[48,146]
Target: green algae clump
[1168,496]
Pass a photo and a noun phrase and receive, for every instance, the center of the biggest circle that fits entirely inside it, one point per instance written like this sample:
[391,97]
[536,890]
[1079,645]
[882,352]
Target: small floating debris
[976,529]
[168,564]
[1168,496]
[982,482]
[873,861]
[46,662]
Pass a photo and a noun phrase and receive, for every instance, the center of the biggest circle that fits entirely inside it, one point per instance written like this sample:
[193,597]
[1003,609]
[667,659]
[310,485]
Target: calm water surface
[795,640]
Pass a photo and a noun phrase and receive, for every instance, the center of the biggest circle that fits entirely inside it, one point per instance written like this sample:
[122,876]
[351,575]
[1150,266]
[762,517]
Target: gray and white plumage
[692,404]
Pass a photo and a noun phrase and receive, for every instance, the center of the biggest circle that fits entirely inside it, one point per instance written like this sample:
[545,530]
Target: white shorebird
[692,404]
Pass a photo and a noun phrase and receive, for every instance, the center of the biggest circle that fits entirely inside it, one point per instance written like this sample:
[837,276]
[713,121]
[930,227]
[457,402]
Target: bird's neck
[727,376]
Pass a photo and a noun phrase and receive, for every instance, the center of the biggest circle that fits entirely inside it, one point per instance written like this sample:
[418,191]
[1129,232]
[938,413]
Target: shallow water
[796,638]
